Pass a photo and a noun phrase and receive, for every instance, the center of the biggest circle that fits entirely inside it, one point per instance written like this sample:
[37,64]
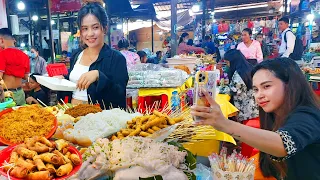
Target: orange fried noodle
[83,110]
[26,122]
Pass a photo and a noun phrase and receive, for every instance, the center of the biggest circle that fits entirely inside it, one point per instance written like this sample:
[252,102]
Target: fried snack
[162,126]
[144,134]
[19,172]
[83,150]
[64,151]
[155,128]
[26,122]
[178,119]
[46,142]
[24,152]
[112,138]
[23,163]
[51,168]
[41,175]
[61,143]
[49,158]
[150,131]
[75,159]
[151,123]
[69,153]
[63,159]
[171,121]
[120,135]
[13,157]
[64,169]
[40,148]
[126,132]
[40,165]
[83,110]
[135,132]
[29,161]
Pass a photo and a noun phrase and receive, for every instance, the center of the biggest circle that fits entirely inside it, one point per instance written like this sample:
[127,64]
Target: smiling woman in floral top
[131,57]
[241,85]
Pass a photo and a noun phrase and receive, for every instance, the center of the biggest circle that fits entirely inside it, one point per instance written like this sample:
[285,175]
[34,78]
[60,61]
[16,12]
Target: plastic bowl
[5,156]
[6,103]
[50,134]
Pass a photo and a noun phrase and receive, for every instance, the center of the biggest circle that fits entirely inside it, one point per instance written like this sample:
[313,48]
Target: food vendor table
[204,146]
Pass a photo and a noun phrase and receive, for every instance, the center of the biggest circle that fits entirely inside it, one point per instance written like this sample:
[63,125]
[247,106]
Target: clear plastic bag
[203,172]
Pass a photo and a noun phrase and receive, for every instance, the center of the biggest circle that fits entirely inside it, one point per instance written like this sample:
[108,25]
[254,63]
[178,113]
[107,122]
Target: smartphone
[206,80]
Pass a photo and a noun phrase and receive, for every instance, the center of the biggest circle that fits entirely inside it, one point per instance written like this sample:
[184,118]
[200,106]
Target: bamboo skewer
[104,106]
[90,99]
[66,106]
[43,104]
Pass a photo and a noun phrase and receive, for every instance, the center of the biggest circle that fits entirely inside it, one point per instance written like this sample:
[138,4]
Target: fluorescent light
[160,33]
[133,6]
[240,7]
[23,45]
[21,6]
[310,17]
[35,18]
[104,5]
[195,8]
[119,26]
[53,22]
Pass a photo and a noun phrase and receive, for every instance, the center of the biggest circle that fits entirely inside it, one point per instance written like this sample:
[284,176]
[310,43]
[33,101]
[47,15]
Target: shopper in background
[208,45]
[190,42]
[291,46]
[100,72]
[14,66]
[183,48]
[289,140]
[251,49]
[37,93]
[241,85]
[143,56]
[38,63]
[168,53]
[131,57]
[264,46]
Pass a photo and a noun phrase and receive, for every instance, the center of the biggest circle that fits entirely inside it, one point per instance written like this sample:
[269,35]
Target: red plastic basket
[57,69]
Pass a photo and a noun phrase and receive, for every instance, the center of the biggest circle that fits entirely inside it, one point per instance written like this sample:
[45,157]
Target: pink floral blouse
[131,57]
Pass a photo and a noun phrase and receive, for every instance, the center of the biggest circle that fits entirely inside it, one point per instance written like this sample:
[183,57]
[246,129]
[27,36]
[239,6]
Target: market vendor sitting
[183,48]
[37,93]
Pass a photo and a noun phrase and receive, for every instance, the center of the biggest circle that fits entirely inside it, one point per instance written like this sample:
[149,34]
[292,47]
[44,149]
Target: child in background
[36,91]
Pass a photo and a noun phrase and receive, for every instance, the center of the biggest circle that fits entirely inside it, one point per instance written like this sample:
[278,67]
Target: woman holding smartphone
[100,72]
[289,140]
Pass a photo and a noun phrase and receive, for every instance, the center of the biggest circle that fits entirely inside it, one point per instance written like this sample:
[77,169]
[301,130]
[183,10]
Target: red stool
[247,150]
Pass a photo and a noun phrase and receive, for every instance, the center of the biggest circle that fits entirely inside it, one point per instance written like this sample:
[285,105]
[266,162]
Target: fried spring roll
[14,157]
[40,165]
[41,175]
[25,164]
[64,169]
[19,172]
[69,153]
[75,159]
[46,142]
[64,151]
[61,143]
[63,158]
[24,152]
[39,148]
[49,158]
[51,168]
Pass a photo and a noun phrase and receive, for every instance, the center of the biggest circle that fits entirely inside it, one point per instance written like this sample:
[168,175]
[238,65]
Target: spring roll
[69,153]
[64,169]
[24,152]
[64,151]
[63,158]
[6,167]
[40,148]
[46,142]
[29,161]
[25,164]
[75,159]
[41,175]
[49,158]
[14,157]
[61,143]
[51,168]
[19,172]
[40,165]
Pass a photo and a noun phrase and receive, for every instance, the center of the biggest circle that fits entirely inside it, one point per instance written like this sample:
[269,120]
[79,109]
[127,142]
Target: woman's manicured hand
[87,79]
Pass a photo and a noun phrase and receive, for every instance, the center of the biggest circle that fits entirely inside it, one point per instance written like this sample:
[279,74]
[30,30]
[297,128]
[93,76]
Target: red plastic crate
[57,69]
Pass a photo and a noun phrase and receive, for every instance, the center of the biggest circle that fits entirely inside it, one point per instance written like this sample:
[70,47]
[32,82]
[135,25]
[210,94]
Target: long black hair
[123,44]
[239,63]
[297,93]
[183,35]
[96,9]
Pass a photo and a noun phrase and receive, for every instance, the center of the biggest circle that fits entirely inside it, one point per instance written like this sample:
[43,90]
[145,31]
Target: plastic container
[175,101]
[57,69]
[56,84]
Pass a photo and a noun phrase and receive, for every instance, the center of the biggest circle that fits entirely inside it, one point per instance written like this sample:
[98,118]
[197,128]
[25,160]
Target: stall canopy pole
[8,14]
[204,14]
[51,43]
[59,47]
[152,35]
[285,7]
[174,20]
